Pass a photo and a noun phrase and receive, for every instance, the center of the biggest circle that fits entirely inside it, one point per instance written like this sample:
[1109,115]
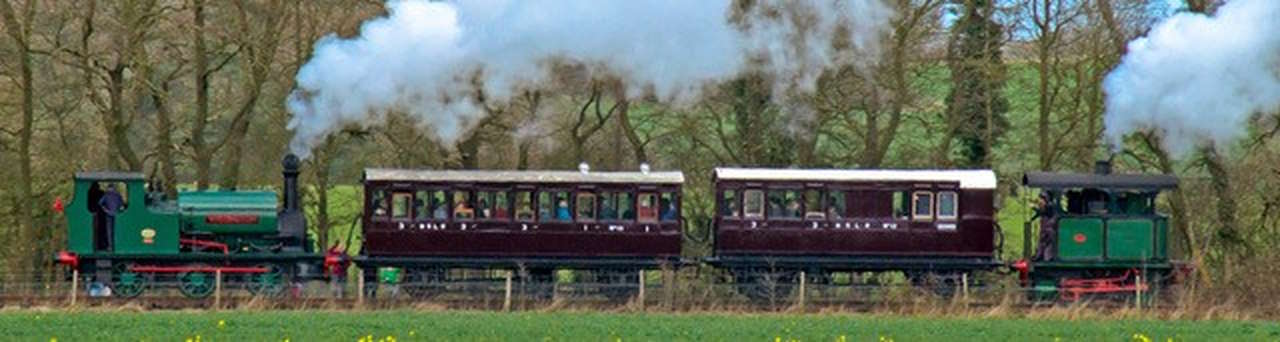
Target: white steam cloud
[1196,78]
[430,59]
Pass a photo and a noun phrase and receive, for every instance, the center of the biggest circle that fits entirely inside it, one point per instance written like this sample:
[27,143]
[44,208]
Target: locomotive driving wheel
[270,283]
[196,284]
[126,283]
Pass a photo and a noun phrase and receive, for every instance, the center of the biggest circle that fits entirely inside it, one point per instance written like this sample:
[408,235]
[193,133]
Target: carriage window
[608,206]
[524,205]
[729,204]
[753,203]
[813,205]
[421,207]
[400,204]
[647,207]
[626,206]
[784,204]
[501,206]
[668,207]
[462,208]
[554,206]
[900,205]
[484,207]
[835,204]
[439,208]
[586,206]
[922,205]
[947,204]
[379,204]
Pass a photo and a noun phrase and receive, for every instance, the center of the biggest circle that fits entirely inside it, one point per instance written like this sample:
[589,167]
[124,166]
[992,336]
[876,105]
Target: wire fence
[683,290]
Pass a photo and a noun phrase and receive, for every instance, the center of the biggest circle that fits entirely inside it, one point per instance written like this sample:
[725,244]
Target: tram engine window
[753,203]
[813,205]
[922,205]
[947,204]
[729,204]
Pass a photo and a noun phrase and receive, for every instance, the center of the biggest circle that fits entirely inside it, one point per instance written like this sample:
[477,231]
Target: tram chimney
[291,224]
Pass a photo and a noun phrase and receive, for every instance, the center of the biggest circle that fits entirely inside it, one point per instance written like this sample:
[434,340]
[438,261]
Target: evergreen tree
[975,104]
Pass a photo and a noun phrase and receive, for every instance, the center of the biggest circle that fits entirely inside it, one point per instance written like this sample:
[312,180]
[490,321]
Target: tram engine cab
[1097,233]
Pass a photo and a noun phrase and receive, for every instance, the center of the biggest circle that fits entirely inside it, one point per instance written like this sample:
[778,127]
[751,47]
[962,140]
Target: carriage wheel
[270,283]
[126,283]
[196,284]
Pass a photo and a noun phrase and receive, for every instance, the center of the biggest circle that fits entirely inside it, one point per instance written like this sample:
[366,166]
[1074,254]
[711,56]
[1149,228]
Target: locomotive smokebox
[1102,167]
[292,223]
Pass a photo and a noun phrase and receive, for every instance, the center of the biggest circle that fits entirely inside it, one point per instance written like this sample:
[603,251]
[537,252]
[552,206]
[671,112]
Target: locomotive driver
[1046,211]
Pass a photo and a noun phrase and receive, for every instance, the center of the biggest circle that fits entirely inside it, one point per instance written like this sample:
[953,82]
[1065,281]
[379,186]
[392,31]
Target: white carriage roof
[968,179]
[513,176]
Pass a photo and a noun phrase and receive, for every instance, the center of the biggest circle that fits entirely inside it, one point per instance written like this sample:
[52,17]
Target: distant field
[532,326]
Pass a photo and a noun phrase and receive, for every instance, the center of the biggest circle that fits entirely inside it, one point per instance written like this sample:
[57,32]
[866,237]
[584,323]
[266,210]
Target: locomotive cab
[147,223]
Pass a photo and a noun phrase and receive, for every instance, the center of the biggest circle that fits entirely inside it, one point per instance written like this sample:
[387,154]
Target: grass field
[531,326]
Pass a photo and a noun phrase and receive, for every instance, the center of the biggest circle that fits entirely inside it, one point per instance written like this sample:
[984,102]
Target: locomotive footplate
[858,263]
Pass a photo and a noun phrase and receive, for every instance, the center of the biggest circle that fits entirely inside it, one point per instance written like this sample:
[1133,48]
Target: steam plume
[431,59]
[1196,78]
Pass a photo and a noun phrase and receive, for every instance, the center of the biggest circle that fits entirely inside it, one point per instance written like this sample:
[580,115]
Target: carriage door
[753,207]
[431,209]
[815,211]
[729,208]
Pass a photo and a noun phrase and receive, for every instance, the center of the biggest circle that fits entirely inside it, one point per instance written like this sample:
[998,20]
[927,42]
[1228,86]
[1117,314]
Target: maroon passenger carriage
[427,223]
[773,223]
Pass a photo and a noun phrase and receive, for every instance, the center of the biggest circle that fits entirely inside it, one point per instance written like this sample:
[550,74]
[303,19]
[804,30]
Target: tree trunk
[201,151]
[20,32]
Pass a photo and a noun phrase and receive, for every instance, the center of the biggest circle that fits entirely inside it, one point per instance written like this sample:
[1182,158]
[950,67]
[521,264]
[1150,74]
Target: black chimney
[1102,167]
[292,225]
[290,164]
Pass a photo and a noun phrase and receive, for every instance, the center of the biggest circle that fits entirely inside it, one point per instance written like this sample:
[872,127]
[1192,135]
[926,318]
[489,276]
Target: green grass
[415,326]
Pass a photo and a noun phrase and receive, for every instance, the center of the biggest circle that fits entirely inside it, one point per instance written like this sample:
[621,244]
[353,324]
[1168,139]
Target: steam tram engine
[186,242]
[932,225]
[425,229]
[1100,236]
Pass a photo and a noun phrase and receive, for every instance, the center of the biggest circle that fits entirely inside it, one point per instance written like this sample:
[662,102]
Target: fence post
[668,287]
[75,285]
[217,289]
[1137,289]
[640,296]
[803,281]
[360,288]
[964,285]
[506,301]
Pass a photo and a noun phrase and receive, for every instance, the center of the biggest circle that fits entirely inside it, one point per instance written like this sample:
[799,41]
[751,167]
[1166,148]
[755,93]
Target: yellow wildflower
[222,324]
[1141,337]
[53,339]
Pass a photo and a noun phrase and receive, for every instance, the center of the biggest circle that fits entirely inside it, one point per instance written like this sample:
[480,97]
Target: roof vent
[644,168]
[584,168]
